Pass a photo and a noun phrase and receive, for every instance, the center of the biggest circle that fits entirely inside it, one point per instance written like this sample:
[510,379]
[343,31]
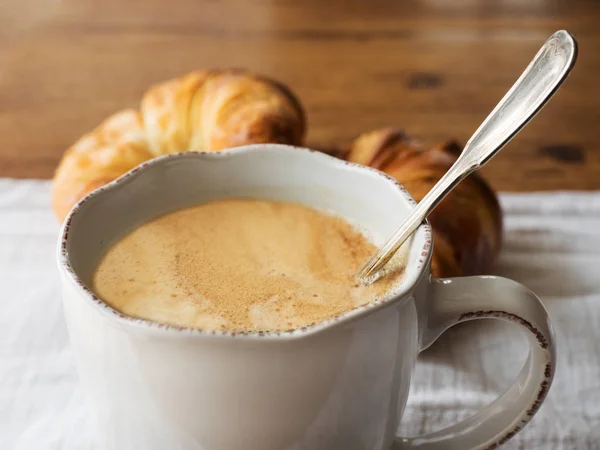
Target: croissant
[216,109]
[467,224]
[203,111]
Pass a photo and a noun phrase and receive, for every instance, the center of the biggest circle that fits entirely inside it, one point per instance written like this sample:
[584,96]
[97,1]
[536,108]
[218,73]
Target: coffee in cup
[239,264]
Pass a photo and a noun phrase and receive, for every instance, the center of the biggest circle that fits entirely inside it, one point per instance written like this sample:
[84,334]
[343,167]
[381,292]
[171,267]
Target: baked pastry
[202,111]
[216,109]
[467,224]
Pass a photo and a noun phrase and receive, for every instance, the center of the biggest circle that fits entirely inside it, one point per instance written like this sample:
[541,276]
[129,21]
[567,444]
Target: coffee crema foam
[239,264]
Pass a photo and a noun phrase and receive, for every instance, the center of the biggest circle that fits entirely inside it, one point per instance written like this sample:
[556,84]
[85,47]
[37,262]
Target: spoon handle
[540,80]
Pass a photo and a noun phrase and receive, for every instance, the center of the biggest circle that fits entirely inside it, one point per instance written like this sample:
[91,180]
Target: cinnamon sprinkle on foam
[240,264]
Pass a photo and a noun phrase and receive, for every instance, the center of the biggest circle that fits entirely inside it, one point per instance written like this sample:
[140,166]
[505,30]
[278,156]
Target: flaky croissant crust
[467,224]
[202,111]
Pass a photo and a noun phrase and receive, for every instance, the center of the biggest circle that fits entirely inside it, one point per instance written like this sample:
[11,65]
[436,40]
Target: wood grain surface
[433,67]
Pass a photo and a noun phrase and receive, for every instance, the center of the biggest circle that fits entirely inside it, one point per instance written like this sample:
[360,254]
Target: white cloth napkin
[552,245]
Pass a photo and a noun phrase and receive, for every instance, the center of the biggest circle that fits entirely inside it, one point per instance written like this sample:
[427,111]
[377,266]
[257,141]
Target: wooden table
[432,67]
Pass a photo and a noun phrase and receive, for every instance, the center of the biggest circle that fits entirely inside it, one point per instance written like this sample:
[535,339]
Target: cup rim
[147,326]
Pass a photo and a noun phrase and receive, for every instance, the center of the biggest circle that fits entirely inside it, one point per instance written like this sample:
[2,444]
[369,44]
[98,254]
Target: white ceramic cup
[340,384]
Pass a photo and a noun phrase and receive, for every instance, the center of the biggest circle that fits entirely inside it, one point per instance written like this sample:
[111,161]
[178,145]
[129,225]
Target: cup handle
[456,300]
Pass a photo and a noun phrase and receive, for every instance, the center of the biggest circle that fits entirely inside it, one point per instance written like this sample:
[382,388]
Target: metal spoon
[533,89]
